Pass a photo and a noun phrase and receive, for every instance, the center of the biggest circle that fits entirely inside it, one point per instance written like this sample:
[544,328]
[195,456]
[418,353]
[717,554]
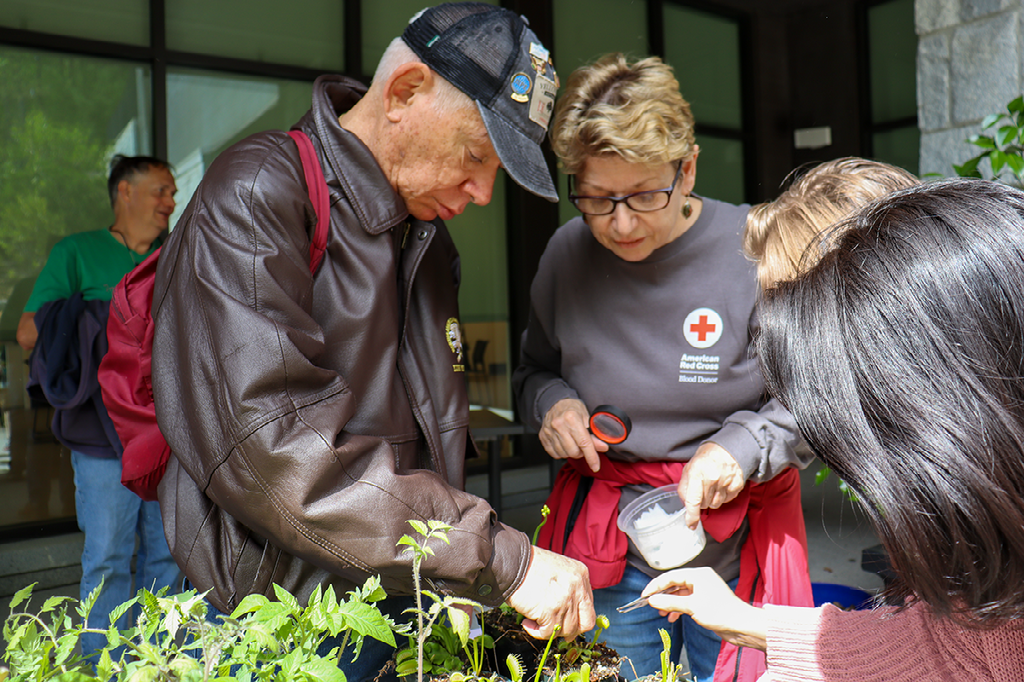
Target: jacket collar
[353,167]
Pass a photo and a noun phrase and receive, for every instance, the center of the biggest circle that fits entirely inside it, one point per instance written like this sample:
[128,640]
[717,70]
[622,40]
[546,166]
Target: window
[308,33]
[704,51]
[892,72]
[106,76]
[61,119]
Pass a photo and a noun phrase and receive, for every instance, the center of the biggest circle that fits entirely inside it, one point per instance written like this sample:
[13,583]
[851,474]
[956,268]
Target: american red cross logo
[702,328]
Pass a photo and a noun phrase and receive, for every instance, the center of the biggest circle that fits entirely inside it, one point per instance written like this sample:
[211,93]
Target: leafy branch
[1004,147]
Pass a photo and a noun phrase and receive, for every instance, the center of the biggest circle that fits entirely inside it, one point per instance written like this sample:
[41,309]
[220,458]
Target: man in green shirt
[92,263]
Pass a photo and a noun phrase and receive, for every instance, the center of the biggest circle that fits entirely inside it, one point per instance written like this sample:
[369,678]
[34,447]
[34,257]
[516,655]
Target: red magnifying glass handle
[610,424]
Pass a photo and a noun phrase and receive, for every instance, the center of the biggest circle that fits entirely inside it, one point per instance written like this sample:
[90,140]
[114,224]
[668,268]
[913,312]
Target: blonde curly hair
[784,236]
[631,109]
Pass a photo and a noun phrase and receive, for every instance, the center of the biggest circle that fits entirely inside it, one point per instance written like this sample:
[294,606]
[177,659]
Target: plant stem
[421,637]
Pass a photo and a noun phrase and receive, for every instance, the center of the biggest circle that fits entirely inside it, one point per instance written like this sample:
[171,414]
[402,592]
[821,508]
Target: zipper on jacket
[405,236]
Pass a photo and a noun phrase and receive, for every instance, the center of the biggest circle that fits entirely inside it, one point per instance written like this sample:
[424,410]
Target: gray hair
[449,98]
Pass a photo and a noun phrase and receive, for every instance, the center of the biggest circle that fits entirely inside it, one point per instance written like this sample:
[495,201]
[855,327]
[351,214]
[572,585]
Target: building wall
[969,65]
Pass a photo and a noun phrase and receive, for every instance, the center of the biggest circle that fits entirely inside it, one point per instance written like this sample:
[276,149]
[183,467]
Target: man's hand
[700,593]
[555,591]
[710,479]
[565,433]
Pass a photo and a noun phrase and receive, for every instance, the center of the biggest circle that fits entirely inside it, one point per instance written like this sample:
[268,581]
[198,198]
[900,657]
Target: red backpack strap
[317,186]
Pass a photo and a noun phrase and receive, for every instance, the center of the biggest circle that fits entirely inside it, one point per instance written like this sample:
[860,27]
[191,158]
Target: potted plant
[443,647]
[438,650]
[172,638]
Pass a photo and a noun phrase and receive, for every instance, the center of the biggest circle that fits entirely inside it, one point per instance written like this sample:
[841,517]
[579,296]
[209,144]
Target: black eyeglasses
[642,202]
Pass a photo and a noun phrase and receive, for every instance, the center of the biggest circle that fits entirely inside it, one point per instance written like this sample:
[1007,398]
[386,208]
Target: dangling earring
[687,209]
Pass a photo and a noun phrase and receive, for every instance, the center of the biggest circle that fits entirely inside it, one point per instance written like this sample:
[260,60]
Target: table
[488,426]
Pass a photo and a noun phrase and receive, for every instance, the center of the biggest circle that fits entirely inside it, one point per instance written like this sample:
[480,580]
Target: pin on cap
[610,424]
[491,55]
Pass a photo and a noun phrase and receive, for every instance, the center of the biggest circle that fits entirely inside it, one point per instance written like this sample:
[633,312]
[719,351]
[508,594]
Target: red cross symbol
[702,328]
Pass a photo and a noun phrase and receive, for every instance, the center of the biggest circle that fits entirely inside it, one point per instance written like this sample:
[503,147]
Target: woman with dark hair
[901,355]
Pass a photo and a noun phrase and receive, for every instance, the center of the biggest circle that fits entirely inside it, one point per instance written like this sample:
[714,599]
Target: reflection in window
[61,120]
[207,112]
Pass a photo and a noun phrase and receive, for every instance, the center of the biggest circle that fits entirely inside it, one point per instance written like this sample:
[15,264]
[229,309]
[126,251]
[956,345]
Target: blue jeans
[111,516]
[635,636]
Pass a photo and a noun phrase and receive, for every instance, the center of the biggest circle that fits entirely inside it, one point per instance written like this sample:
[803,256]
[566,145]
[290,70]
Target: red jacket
[773,561]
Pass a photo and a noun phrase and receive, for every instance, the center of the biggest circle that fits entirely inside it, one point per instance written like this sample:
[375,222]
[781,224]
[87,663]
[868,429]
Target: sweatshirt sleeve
[764,442]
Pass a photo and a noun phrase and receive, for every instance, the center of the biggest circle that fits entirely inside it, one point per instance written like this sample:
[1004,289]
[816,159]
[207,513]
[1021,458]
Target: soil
[509,637]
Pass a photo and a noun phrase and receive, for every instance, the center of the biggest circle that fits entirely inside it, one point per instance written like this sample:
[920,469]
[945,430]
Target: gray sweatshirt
[665,339]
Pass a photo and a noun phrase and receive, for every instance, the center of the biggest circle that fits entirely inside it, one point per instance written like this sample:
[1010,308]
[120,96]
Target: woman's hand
[565,433]
[710,479]
[701,594]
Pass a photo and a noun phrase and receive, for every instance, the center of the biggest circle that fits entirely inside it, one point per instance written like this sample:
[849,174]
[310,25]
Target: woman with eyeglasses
[646,302]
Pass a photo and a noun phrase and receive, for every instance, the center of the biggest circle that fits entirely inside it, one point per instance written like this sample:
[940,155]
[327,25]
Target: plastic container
[654,522]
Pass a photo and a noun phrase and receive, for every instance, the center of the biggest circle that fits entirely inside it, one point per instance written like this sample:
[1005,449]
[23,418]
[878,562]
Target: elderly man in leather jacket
[312,416]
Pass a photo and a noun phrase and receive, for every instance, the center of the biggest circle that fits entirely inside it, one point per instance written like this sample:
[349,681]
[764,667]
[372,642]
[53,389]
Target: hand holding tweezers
[640,602]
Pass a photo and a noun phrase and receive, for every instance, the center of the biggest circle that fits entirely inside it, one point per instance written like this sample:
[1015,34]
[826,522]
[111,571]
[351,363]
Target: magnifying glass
[610,424]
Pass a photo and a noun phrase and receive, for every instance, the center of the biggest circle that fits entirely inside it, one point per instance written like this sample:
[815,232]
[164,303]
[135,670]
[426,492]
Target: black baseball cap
[491,55]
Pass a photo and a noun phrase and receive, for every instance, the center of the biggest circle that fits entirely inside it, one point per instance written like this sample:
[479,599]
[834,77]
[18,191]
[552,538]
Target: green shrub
[173,640]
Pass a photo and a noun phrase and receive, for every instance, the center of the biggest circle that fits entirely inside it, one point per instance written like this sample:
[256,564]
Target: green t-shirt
[90,262]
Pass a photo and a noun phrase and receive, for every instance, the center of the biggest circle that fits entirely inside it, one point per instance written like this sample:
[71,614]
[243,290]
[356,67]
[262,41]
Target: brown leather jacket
[312,416]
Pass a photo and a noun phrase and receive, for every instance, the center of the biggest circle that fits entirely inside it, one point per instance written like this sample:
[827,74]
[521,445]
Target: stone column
[969,65]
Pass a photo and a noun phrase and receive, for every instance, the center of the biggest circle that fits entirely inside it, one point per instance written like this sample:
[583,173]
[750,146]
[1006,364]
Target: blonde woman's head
[632,109]
[784,236]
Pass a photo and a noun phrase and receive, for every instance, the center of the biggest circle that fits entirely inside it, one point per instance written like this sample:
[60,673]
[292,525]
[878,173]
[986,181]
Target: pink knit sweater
[832,645]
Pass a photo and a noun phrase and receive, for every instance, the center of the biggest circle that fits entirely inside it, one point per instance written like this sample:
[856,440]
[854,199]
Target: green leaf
[822,475]
[419,527]
[53,602]
[991,120]
[998,160]
[1006,135]
[515,667]
[969,168]
[983,141]
[121,609]
[1016,164]
[22,595]
[406,668]
[285,597]
[65,649]
[1016,105]
[172,622]
[367,620]
[249,604]
[105,667]
[323,670]
[460,624]
[438,526]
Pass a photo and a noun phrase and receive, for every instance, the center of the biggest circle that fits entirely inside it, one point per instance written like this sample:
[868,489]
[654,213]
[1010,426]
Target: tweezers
[638,603]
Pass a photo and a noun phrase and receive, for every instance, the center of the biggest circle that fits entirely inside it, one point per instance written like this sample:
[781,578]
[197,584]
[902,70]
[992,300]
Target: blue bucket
[844,596]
